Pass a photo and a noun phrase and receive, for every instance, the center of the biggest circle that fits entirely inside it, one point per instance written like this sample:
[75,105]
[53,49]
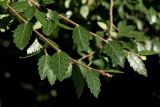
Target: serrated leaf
[51,77]
[48,27]
[115,51]
[43,66]
[45,70]
[137,64]
[29,12]
[78,80]
[64,26]
[20,6]
[59,64]
[146,52]
[81,38]
[22,35]
[93,82]
[130,45]
[40,16]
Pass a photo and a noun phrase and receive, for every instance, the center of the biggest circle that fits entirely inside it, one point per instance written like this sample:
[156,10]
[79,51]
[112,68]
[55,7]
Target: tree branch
[57,49]
[111,17]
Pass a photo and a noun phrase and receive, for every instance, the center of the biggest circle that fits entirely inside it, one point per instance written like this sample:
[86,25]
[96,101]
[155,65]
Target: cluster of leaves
[126,42]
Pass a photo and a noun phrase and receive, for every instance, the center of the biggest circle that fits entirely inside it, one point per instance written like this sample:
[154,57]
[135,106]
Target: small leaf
[43,66]
[53,15]
[29,13]
[36,46]
[81,38]
[114,71]
[20,6]
[48,27]
[78,80]
[51,77]
[40,16]
[146,52]
[22,35]
[137,64]
[115,51]
[69,71]
[64,26]
[84,11]
[93,82]
[48,1]
[59,64]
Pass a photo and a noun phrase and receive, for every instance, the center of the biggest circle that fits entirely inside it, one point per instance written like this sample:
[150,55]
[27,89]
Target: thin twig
[57,49]
[111,17]
[86,56]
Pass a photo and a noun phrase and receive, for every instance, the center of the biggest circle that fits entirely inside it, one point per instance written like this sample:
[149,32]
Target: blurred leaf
[53,15]
[130,45]
[137,64]
[69,71]
[64,26]
[146,52]
[22,35]
[48,1]
[81,38]
[151,16]
[102,25]
[129,32]
[59,64]
[51,77]
[115,51]
[78,80]
[114,71]
[84,11]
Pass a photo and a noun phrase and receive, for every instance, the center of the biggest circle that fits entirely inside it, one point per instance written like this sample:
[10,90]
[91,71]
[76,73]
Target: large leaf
[22,35]
[48,27]
[59,64]
[40,16]
[93,82]
[29,12]
[81,38]
[115,51]
[78,80]
[45,70]
[137,64]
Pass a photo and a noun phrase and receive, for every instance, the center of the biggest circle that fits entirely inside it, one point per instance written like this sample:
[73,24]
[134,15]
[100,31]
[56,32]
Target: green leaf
[48,27]
[20,6]
[48,1]
[93,82]
[64,26]
[84,11]
[146,52]
[69,71]
[51,77]
[130,45]
[114,71]
[53,15]
[29,12]
[137,64]
[81,38]
[40,16]
[43,66]
[129,32]
[45,70]
[59,64]
[22,35]
[78,80]
[115,51]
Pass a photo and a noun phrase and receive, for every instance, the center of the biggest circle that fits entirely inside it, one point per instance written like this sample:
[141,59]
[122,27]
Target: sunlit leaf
[137,64]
